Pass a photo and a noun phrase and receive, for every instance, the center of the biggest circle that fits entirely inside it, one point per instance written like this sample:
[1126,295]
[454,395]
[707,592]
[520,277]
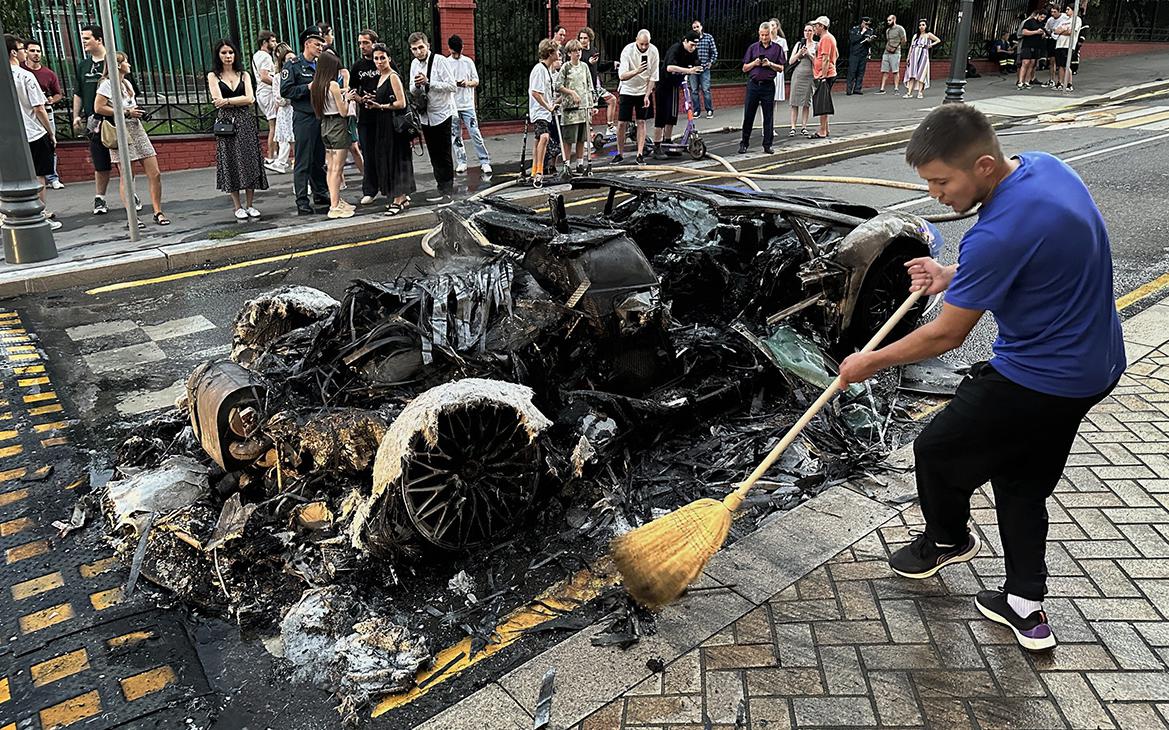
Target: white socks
[1022,606]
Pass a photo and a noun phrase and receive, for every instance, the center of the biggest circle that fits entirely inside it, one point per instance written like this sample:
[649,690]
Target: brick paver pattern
[852,645]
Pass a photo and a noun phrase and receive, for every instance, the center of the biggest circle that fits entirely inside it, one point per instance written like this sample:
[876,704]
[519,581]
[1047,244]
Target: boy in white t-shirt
[541,102]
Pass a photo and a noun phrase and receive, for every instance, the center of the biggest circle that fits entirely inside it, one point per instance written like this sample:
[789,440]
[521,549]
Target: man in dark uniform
[860,39]
[306,127]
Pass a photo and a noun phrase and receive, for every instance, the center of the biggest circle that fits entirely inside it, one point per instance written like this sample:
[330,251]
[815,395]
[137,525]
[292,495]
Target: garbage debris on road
[378,475]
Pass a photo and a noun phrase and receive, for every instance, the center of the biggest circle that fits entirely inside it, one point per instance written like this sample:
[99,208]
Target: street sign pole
[25,230]
[125,167]
[956,86]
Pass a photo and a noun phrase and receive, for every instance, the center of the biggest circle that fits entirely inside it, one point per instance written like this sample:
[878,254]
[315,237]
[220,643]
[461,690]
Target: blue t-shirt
[1039,260]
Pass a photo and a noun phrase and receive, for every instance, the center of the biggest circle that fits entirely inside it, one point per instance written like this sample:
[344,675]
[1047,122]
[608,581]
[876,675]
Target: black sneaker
[640,160]
[922,558]
[1033,633]
[768,151]
[742,149]
[99,206]
[617,160]
[658,154]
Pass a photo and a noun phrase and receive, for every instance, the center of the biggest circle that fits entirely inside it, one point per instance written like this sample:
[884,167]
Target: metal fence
[507,33]
[1129,20]
[169,42]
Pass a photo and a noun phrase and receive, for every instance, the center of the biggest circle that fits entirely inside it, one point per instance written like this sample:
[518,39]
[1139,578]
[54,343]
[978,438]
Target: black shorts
[666,106]
[1031,53]
[1061,58]
[99,154]
[1050,47]
[541,127]
[630,107]
[42,156]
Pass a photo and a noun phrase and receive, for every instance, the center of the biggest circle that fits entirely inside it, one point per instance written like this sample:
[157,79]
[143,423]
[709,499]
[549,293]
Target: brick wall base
[185,152]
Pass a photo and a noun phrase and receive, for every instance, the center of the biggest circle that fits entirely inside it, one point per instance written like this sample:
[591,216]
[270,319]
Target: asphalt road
[116,355]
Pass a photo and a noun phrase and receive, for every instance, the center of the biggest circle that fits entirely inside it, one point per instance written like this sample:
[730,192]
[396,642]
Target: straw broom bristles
[661,558]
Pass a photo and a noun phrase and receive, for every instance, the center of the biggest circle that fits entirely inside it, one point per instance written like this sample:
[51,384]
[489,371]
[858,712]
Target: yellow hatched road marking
[45,618]
[59,667]
[11,451]
[54,426]
[10,349]
[97,567]
[71,711]
[562,597]
[37,586]
[1137,121]
[10,474]
[7,498]
[105,599]
[29,382]
[11,527]
[148,682]
[5,695]
[29,369]
[57,441]
[8,435]
[134,637]
[44,410]
[25,357]
[26,551]
[38,397]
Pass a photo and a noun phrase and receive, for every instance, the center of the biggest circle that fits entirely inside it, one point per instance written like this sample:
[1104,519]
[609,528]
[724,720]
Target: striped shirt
[707,50]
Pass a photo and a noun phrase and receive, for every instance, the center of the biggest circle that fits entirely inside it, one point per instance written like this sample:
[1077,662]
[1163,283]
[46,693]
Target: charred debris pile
[495,413]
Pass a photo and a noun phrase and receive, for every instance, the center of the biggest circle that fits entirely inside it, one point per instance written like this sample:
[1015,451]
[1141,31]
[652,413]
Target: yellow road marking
[11,349]
[10,474]
[43,410]
[148,682]
[7,498]
[11,527]
[29,369]
[54,426]
[8,435]
[11,451]
[5,695]
[97,567]
[105,599]
[71,711]
[1143,291]
[134,637]
[1137,121]
[564,597]
[25,357]
[37,586]
[45,618]
[28,382]
[178,276]
[59,667]
[56,441]
[38,397]
[26,551]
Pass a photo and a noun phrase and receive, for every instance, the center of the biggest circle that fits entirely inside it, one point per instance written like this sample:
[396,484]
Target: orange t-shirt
[824,65]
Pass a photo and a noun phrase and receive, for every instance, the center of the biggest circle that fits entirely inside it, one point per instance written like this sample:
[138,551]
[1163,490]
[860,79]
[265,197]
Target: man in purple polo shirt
[762,61]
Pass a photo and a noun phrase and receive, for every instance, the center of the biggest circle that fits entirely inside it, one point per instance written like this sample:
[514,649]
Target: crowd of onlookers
[322,116]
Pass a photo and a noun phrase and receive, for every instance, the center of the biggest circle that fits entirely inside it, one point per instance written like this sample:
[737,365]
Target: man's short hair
[369,33]
[12,42]
[417,36]
[643,32]
[547,49]
[95,31]
[455,43]
[956,134]
[264,36]
[33,42]
[691,36]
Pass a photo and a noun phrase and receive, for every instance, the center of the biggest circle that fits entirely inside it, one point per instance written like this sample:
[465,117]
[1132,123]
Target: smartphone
[645,60]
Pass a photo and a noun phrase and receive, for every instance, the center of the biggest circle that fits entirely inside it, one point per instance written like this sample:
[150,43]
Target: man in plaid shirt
[700,83]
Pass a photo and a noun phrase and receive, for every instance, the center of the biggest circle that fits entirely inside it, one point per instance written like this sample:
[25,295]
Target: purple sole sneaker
[1033,632]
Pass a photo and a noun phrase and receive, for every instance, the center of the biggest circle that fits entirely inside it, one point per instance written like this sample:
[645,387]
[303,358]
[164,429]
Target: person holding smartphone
[638,71]
[763,60]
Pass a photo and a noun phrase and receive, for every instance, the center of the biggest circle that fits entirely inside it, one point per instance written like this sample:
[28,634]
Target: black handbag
[223,128]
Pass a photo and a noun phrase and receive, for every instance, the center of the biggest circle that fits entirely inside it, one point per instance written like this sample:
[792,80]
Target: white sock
[1022,606]
[940,546]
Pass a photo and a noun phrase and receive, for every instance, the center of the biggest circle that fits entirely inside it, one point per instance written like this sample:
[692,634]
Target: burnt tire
[476,481]
[885,287]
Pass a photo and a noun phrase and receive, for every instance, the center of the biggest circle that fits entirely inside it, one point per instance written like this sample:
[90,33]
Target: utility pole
[956,86]
[125,167]
[25,230]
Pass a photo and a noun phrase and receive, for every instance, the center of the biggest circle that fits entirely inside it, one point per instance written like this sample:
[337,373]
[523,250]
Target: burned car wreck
[566,377]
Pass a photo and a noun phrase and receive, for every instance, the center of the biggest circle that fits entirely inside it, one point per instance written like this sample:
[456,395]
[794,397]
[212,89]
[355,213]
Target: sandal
[804,132]
[817,135]
[394,209]
[141,225]
[161,219]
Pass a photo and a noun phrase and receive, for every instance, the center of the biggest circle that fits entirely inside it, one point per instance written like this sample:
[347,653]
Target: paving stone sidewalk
[852,645]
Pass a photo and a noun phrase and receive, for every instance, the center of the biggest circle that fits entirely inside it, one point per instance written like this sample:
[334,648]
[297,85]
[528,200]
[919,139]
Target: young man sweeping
[1045,274]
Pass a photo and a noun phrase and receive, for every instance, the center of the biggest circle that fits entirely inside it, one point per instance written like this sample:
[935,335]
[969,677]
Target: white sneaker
[252,212]
[137,203]
[241,214]
[340,212]
[57,185]
[273,166]
[461,168]
[485,168]
[366,199]
[54,225]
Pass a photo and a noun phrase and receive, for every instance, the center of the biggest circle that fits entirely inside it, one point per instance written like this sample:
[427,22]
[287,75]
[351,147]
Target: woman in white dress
[282,162]
[778,37]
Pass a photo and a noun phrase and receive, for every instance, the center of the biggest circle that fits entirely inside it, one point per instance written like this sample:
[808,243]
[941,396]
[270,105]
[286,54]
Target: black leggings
[1016,438]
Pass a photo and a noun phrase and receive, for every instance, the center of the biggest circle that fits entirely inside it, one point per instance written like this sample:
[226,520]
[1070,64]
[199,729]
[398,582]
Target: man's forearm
[929,340]
[76,106]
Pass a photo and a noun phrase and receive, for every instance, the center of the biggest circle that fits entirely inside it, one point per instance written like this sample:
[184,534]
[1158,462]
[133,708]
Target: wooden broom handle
[735,498]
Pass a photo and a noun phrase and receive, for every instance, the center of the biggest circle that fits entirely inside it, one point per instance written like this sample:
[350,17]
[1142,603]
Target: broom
[659,559]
